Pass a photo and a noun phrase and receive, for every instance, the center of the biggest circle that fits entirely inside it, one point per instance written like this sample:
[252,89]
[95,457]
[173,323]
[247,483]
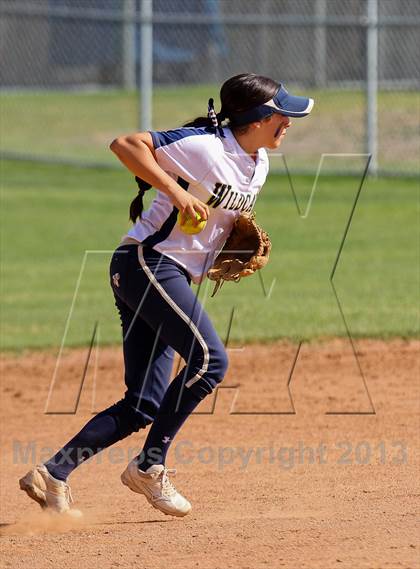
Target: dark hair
[136,206]
[239,93]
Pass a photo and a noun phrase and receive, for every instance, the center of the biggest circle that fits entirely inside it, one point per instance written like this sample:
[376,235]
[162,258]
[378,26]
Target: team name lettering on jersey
[223,195]
[213,169]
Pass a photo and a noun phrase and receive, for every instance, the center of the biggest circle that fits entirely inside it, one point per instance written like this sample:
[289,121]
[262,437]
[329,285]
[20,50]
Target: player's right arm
[137,153]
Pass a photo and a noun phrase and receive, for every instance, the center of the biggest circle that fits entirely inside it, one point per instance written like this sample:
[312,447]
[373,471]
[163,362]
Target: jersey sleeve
[186,152]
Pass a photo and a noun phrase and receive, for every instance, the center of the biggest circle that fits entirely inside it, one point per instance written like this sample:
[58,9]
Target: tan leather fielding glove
[246,250]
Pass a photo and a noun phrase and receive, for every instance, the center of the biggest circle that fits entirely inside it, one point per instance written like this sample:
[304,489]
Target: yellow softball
[188,225]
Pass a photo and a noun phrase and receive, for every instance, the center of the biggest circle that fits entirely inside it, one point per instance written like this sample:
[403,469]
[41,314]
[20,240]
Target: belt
[130,241]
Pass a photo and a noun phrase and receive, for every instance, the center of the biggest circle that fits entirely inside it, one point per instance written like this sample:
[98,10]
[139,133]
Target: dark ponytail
[136,206]
[212,121]
[199,121]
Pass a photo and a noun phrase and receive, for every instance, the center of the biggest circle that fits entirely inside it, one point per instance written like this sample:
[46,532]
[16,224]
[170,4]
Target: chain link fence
[75,72]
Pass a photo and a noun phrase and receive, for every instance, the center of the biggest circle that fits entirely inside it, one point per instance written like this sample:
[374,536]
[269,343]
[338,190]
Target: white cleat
[156,486]
[50,493]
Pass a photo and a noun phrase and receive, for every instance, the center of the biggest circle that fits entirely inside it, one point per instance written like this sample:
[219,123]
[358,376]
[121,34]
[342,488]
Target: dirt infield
[322,478]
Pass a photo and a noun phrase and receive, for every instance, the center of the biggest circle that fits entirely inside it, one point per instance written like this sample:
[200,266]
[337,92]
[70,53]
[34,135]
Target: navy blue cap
[283,103]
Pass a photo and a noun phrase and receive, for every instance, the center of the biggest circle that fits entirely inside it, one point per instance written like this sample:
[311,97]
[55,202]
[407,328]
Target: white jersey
[217,171]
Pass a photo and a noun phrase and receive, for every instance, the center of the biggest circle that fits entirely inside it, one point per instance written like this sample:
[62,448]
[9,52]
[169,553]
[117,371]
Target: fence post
[263,38]
[129,31]
[320,45]
[372,85]
[146,64]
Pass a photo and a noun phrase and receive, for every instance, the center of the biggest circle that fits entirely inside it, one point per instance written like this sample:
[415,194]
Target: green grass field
[51,215]
[80,125]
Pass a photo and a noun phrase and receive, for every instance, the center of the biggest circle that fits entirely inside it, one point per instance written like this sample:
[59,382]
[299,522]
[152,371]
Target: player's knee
[215,371]
[214,361]
[218,364]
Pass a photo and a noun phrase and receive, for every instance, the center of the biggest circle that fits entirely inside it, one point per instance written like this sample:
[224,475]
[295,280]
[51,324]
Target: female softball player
[204,169]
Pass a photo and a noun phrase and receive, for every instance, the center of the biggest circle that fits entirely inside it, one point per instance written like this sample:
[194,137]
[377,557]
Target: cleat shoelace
[68,495]
[168,489]
[64,489]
